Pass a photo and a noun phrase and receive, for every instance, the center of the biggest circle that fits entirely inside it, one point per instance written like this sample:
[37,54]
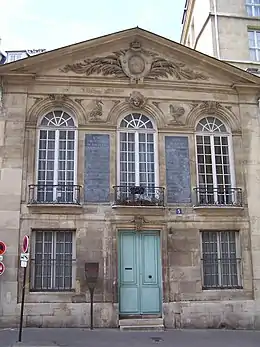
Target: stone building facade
[225,29]
[141,155]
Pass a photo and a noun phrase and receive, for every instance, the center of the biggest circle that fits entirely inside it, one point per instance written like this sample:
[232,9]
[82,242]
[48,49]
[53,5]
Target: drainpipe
[216,27]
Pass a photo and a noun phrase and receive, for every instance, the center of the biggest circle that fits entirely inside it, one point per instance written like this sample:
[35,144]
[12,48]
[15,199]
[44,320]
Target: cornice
[17,78]
[17,75]
[58,81]
[246,88]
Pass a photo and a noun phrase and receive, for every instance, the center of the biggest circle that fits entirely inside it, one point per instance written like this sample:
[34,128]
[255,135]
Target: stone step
[146,324]
[141,321]
[142,328]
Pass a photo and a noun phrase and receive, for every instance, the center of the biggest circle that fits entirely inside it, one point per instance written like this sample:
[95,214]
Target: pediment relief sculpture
[58,98]
[135,63]
[211,106]
[96,112]
[172,113]
[136,100]
[176,112]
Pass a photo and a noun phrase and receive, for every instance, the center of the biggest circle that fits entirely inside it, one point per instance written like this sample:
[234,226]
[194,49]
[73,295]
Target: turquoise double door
[139,273]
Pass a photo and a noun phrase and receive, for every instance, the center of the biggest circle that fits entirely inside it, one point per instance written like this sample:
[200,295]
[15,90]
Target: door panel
[139,273]
[150,293]
[149,259]
[129,281]
[150,300]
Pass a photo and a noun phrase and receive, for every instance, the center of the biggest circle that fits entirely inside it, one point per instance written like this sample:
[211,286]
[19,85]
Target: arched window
[56,174]
[215,180]
[137,157]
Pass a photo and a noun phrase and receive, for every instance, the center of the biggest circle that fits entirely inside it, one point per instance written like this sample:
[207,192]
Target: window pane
[249,11]
[52,263]
[219,258]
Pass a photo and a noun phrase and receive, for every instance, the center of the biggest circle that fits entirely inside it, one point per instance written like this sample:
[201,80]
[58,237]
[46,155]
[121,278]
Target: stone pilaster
[12,129]
[250,117]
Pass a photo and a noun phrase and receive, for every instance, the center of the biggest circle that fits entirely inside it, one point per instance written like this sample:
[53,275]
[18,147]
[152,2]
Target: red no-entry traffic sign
[2,248]
[25,244]
[2,268]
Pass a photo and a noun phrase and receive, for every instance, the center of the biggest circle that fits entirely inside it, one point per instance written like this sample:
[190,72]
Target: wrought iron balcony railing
[221,196]
[54,194]
[138,195]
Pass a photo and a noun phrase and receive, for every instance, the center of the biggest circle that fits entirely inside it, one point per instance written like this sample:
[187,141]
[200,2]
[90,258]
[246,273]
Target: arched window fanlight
[211,124]
[136,121]
[57,119]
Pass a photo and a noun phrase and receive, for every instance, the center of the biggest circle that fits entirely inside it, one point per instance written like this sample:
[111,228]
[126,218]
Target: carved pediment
[137,64]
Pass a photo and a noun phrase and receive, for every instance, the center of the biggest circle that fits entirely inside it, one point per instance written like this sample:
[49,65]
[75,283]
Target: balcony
[218,197]
[54,194]
[138,196]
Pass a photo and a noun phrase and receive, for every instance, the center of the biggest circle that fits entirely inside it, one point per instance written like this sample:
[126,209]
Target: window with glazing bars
[254,44]
[253,8]
[56,158]
[220,259]
[52,264]
[213,143]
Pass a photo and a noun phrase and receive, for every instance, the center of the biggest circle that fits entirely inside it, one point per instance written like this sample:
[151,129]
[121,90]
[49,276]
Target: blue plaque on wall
[97,168]
[177,169]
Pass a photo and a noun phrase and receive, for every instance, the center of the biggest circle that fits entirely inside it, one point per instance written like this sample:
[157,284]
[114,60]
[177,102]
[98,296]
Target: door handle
[150,276]
[128,268]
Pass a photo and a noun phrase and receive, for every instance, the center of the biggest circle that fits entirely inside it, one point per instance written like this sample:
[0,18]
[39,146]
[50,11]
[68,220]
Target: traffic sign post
[24,258]
[2,268]
[2,248]
[25,244]
[2,252]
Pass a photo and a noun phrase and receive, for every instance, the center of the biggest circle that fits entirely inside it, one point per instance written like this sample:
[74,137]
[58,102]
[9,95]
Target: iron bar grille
[220,264]
[52,274]
[54,194]
[138,195]
[225,196]
[52,266]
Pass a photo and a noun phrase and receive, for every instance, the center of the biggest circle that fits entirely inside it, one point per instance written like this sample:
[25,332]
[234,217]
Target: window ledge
[218,210]
[217,207]
[235,289]
[55,208]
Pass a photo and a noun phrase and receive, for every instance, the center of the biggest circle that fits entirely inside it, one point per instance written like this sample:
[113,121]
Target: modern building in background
[13,55]
[226,29]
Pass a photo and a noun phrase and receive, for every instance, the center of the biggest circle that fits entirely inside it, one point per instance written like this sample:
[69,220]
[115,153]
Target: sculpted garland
[135,63]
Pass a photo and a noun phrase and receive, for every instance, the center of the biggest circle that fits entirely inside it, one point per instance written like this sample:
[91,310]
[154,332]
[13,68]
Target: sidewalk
[114,338]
